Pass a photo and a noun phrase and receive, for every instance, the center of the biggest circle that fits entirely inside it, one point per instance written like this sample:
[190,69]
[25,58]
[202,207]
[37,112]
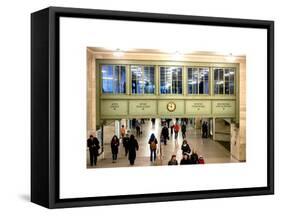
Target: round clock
[171,106]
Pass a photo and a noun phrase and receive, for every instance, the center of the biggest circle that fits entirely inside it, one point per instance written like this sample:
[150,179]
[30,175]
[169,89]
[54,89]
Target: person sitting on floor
[201,160]
[194,158]
[173,160]
[185,159]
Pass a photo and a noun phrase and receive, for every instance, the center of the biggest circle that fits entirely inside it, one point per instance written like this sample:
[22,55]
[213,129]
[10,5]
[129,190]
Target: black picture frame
[45,106]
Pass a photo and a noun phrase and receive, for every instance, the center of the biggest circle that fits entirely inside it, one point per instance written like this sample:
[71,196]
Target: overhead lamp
[177,55]
[230,57]
[118,53]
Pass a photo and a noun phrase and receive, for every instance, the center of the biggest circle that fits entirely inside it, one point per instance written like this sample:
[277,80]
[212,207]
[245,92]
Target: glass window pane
[206,80]
[198,80]
[218,81]
[226,80]
[231,80]
[195,81]
[165,80]
[148,79]
[116,78]
[113,79]
[170,80]
[201,81]
[123,80]
[107,79]
[137,83]
[190,80]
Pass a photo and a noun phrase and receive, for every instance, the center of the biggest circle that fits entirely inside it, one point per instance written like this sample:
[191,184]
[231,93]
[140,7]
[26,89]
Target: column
[128,80]
[157,80]
[214,128]
[184,80]
[117,127]
[128,125]
[211,84]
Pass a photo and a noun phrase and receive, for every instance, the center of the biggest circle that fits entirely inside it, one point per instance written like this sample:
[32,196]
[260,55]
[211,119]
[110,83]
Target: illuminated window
[198,81]
[224,81]
[170,80]
[142,79]
[113,79]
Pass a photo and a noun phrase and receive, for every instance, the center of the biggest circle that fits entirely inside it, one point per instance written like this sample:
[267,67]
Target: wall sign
[142,107]
[114,108]
[198,107]
[223,108]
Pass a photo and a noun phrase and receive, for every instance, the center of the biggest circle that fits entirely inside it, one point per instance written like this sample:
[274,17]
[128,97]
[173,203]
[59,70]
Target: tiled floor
[212,151]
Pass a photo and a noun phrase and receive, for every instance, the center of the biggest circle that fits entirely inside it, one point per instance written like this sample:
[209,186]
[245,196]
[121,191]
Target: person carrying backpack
[153,147]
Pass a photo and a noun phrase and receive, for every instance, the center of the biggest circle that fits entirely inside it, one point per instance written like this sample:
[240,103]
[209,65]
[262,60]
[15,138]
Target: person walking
[133,148]
[153,147]
[114,148]
[138,129]
[168,122]
[153,122]
[183,130]
[122,132]
[203,129]
[165,134]
[173,160]
[126,144]
[172,129]
[176,130]
[94,146]
[206,130]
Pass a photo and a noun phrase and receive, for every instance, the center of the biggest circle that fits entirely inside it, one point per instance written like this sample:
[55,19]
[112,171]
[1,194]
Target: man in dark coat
[125,141]
[94,146]
[194,158]
[206,130]
[183,130]
[165,134]
[185,160]
[133,147]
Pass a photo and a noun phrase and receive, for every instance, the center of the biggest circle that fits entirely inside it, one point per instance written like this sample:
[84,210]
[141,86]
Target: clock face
[171,106]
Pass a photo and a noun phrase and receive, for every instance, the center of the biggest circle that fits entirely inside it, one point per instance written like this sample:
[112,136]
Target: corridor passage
[210,150]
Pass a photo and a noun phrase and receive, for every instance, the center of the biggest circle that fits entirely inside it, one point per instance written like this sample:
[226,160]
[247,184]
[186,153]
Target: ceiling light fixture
[230,57]
[118,53]
[177,55]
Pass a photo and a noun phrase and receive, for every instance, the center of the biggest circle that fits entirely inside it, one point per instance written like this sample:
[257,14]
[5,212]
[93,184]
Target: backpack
[153,145]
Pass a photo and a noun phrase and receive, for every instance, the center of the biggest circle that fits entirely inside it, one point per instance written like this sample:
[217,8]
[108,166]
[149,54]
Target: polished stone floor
[212,151]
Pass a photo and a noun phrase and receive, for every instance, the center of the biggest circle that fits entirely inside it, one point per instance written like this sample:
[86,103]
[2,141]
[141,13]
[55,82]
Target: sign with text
[224,108]
[198,107]
[142,107]
[114,107]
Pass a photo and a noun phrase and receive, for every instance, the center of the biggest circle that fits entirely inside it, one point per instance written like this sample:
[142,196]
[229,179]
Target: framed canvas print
[131,107]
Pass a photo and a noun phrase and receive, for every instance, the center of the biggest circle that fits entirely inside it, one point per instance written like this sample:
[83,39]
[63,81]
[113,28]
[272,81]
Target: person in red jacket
[201,160]
[176,130]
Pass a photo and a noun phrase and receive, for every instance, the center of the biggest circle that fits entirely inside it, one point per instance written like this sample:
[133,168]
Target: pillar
[214,128]
[117,127]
